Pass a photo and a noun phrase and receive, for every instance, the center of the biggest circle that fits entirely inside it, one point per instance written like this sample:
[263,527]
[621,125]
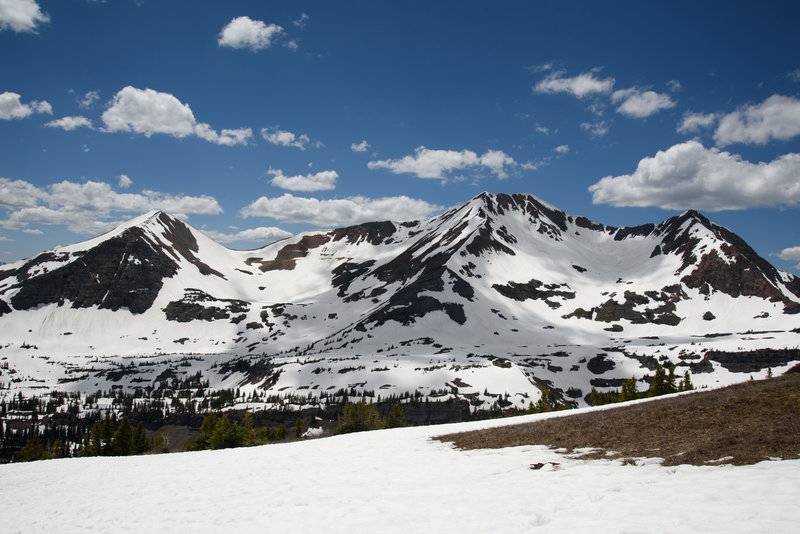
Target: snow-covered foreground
[393,481]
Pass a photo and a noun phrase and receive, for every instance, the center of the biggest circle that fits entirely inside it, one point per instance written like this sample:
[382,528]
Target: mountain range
[495,300]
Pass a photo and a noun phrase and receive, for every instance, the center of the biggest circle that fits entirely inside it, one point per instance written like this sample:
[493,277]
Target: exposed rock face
[192,307]
[123,272]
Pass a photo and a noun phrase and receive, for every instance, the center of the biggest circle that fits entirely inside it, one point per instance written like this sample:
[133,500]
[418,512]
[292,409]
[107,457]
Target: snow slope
[393,481]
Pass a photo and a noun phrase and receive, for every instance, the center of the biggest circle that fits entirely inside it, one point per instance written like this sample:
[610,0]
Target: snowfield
[393,481]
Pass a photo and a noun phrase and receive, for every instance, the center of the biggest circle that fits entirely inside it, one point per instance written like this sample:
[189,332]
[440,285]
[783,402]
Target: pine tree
[107,436]
[140,442]
[628,391]
[33,450]
[543,404]
[686,383]
[358,417]
[659,384]
[122,443]
[396,417]
[298,428]
[670,386]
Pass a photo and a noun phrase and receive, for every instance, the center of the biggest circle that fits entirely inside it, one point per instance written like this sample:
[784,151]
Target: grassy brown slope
[744,423]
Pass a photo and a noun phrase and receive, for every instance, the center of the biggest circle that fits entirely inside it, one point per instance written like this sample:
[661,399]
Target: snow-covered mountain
[493,300]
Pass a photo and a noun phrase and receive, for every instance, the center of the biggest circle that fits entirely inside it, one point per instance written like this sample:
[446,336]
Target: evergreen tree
[249,431]
[396,417]
[298,428]
[140,442]
[686,383]
[122,443]
[33,450]
[358,417]
[280,434]
[107,436]
[670,386]
[629,391]
[543,404]
[659,384]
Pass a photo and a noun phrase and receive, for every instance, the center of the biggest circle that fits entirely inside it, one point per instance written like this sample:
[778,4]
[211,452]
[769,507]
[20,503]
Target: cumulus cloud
[595,129]
[321,181]
[360,147]
[124,182]
[21,15]
[89,207]
[262,234]
[70,123]
[339,212]
[11,106]
[244,32]
[790,254]
[778,117]
[640,104]
[694,122]
[149,112]
[690,176]
[427,163]
[580,86]
[276,136]
[562,149]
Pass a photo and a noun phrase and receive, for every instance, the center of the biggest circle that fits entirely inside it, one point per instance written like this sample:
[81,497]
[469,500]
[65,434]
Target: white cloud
[674,86]
[276,136]
[640,104]
[694,122]
[88,100]
[321,181]
[21,15]
[11,106]
[19,194]
[124,181]
[32,231]
[595,129]
[562,149]
[301,22]
[795,75]
[536,165]
[262,234]
[496,161]
[89,207]
[70,123]
[778,117]
[292,45]
[790,254]
[690,176]
[360,147]
[542,129]
[339,212]
[580,86]
[244,32]
[426,163]
[149,112]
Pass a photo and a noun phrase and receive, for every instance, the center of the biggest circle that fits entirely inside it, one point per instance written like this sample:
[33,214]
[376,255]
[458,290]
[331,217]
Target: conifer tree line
[664,382]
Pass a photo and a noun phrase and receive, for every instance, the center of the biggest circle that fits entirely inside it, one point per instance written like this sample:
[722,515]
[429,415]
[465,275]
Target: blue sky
[256,120]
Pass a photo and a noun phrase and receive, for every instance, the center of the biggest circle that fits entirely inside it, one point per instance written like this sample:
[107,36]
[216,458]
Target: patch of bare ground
[741,424]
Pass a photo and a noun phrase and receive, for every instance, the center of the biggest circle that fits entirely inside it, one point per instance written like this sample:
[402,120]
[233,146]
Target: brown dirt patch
[741,424]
